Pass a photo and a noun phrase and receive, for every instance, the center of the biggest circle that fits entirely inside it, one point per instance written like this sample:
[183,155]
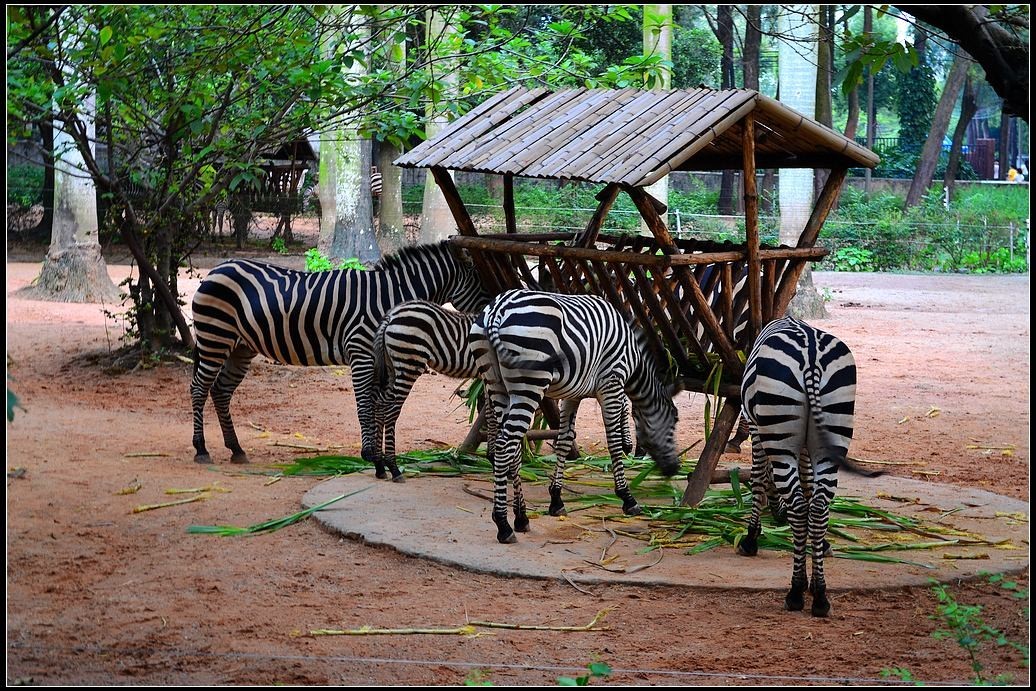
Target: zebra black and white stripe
[246,308]
[415,337]
[798,395]
[531,344]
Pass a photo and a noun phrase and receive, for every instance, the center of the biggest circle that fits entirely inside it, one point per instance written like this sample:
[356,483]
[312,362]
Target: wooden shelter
[682,292]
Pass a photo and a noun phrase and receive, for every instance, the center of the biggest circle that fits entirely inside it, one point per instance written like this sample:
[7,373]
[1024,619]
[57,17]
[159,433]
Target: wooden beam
[493,281]
[698,481]
[755,300]
[607,198]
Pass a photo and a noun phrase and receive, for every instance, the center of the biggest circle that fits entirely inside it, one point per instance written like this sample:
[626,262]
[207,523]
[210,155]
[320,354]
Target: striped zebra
[798,395]
[246,308]
[418,336]
[414,337]
[531,344]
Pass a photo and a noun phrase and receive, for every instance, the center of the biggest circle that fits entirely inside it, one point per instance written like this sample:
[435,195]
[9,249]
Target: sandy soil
[98,594]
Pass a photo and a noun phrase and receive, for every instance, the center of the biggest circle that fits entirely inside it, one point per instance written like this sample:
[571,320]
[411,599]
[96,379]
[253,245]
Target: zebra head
[466,291]
[656,431]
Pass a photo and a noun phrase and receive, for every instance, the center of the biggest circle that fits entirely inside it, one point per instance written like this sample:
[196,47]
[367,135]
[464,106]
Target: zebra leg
[205,373]
[612,397]
[823,492]
[798,517]
[389,410]
[627,436]
[362,367]
[762,480]
[230,376]
[515,423]
[566,435]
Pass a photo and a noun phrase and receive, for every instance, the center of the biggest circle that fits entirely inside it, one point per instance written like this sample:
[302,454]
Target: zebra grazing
[798,395]
[414,337]
[530,344]
[245,308]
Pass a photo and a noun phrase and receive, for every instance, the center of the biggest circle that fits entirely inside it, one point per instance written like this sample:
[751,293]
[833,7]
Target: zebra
[529,344]
[413,337]
[244,308]
[798,395]
[420,335]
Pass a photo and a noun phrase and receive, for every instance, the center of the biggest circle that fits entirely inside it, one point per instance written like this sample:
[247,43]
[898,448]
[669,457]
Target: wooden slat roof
[630,136]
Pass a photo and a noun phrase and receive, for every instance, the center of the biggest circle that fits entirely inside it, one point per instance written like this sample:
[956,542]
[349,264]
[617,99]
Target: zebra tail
[842,461]
[381,365]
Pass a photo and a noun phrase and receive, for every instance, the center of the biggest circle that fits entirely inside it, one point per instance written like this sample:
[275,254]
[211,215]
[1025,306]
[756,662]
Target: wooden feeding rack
[683,293]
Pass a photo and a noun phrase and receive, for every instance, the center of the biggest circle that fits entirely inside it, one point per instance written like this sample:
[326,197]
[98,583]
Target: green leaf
[105,35]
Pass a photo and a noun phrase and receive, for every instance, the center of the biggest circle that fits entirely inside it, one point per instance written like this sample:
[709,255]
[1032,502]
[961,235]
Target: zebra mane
[403,256]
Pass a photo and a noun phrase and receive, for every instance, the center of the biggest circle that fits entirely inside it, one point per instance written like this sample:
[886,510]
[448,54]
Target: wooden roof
[630,136]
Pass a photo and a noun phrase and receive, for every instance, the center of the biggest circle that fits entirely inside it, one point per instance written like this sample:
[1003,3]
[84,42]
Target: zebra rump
[798,396]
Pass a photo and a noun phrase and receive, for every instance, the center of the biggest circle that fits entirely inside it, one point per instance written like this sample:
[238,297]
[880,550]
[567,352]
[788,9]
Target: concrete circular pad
[436,518]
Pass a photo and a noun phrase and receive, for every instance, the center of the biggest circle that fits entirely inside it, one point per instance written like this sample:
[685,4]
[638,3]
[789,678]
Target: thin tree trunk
[724,31]
[940,123]
[658,40]
[968,108]
[437,221]
[825,47]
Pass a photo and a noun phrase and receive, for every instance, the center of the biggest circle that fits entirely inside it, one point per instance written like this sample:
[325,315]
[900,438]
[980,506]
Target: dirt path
[100,595]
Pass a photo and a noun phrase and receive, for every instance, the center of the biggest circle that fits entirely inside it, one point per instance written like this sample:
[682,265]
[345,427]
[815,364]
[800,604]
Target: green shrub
[24,185]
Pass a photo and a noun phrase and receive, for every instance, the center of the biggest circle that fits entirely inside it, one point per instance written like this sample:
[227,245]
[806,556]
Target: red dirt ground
[97,594]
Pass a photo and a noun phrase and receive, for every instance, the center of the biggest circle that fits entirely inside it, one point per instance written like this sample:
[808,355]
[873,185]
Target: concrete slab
[436,518]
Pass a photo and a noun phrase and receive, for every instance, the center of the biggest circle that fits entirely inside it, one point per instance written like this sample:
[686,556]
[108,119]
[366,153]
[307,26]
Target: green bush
[24,185]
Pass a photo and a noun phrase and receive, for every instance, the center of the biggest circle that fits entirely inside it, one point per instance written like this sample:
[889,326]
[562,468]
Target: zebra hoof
[748,549]
[558,511]
[380,474]
[509,539]
[732,448]
[794,602]
[521,524]
[203,458]
[821,607]
[633,510]
[398,478]
[239,457]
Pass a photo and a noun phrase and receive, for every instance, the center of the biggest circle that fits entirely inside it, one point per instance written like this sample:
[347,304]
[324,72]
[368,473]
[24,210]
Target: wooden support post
[698,481]
[606,197]
[755,304]
[494,283]
[790,279]
[510,221]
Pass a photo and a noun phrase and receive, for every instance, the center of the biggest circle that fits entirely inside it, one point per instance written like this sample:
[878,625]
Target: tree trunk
[872,125]
[347,214]
[968,108]
[658,40]
[391,221]
[392,225]
[940,123]
[1004,145]
[825,51]
[724,31]
[798,91]
[437,220]
[45,227]
[74,270]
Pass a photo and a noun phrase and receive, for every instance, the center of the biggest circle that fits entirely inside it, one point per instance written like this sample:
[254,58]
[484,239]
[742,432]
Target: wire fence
[945,244]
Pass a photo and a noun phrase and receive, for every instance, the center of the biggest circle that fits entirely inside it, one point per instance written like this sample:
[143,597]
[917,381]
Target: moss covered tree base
[78,274]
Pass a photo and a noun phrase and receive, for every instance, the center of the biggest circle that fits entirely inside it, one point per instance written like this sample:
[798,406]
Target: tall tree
[658,43]
[940,123]
[825,69]
[74,269]
[347,213]
[995,36]
[798,84]
[391,225]
[436,219]
[968,108]
[723,27]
